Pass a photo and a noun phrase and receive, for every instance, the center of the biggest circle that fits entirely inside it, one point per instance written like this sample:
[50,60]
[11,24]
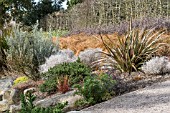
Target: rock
[14,108]
[5,83]
[6,95]
[80,112]
[15,96]
[4,105]
[1,97]
[54,99]
[70,99]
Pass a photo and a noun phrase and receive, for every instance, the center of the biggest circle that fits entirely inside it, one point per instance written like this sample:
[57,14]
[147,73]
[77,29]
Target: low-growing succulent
[20,80]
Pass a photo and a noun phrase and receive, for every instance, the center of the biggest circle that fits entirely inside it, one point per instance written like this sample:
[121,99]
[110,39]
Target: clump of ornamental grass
[133,50]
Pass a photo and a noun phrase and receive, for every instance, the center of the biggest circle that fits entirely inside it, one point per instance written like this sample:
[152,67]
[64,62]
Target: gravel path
[152,99]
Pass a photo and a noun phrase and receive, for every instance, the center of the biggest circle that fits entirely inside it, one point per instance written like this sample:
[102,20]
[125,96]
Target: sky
[64,4]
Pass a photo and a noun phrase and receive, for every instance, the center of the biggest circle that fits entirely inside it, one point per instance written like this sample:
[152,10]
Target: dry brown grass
[165,50]
[80,42]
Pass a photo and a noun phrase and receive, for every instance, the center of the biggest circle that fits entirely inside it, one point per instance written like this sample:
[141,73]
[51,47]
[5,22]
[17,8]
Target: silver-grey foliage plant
[62,56]
[157,65]
[28,50]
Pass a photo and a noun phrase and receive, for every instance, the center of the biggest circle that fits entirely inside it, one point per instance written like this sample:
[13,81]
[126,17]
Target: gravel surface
[152,99]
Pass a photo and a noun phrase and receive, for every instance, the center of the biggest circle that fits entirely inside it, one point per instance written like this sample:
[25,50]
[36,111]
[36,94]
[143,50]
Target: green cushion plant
[96,88]
[75,71]
[71,69]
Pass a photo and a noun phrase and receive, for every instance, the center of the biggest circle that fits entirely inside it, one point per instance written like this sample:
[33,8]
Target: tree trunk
[2,60]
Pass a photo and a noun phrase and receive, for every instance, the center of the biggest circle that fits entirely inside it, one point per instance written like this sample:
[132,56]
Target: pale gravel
[152,99]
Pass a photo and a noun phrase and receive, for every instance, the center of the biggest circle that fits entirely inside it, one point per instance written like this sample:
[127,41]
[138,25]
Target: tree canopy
[41,9]
[27,11]
[71,3]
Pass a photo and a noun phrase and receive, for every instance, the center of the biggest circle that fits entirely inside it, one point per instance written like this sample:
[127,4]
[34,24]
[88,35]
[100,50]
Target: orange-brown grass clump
[81,41]
[165,50]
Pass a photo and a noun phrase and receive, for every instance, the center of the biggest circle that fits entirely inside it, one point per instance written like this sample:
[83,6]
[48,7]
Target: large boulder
[58,98]
[5,84]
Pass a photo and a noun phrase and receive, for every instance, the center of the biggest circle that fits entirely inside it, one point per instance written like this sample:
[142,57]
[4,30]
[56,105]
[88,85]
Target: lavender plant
[122,27]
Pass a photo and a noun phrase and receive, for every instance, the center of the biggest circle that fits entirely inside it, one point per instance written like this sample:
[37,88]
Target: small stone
[33,89]
[6,95]
[14,108]
[15,96]
[54,99]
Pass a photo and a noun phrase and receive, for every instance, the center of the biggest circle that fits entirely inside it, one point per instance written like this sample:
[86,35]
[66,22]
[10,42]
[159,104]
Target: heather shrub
[156,65]
[134,49]
[96,88]
[61,57]
[88,56]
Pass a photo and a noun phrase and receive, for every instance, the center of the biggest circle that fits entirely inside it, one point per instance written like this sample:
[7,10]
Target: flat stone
[4,105]
[14,108]
[6,95]
[58,98]
[5,83]
[80,112]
